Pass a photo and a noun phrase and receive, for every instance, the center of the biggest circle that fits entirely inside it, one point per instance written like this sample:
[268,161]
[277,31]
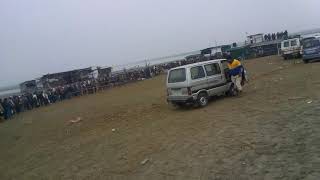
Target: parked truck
[291,48]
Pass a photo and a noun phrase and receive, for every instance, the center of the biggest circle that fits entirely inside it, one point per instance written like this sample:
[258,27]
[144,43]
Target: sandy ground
[272,131]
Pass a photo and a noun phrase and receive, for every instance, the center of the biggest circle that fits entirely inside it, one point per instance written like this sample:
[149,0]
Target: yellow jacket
[235,67]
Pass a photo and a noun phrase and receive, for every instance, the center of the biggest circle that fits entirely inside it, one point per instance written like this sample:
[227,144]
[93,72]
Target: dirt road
[272,131]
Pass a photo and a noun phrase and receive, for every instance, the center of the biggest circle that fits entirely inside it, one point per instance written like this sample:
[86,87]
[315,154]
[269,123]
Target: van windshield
[311,43]
[177,75]
[286,44]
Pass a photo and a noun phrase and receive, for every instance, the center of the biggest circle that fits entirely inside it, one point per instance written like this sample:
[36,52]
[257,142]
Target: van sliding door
[215,78]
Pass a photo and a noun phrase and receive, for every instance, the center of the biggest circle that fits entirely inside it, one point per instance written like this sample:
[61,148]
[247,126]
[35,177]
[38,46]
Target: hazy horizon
[40,37]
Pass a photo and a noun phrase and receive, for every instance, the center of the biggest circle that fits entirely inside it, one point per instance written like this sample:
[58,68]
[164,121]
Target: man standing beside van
[235,71]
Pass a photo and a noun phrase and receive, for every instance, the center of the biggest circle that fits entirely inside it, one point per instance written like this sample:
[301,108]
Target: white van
[195,83]
[291,48]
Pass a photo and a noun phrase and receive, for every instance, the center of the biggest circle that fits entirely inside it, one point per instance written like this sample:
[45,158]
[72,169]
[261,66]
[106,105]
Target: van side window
[212,69]
[177,75]
[286,44]
[197,72]
[293,42]
[224,64]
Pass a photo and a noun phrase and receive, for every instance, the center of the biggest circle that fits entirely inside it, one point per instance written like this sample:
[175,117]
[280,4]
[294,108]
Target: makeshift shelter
[68,77]
[265,48]
[104,73]
[29,87]
[240,52]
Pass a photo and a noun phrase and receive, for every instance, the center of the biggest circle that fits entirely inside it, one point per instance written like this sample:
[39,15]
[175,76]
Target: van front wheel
[202,99]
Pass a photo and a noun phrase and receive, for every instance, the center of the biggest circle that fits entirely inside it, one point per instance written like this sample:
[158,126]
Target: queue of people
[12,105]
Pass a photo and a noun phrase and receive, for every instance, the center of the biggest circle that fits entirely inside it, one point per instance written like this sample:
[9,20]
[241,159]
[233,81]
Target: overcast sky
[46,36]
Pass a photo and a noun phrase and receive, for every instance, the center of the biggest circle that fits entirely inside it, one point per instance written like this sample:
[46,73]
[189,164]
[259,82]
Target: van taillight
[189,91]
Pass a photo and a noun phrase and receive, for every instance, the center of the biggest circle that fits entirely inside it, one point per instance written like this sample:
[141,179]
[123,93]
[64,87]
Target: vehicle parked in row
[291,48]
[195,83]
[311,49]
[304,41]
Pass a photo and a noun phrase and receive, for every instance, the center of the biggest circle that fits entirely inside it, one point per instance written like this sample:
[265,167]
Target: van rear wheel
[202,99]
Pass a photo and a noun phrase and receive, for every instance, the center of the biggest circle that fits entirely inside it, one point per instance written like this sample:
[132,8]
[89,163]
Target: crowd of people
[132,75]
[275,36]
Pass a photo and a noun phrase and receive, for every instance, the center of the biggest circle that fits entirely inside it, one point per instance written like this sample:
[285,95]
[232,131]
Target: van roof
[290,39]
[198,63]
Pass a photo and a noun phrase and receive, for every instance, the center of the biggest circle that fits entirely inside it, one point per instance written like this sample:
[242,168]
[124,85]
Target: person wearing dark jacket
[1,109]
[7,108]
[235,71]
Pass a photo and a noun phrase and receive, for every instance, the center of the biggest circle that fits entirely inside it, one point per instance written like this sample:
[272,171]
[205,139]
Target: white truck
[291,48]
